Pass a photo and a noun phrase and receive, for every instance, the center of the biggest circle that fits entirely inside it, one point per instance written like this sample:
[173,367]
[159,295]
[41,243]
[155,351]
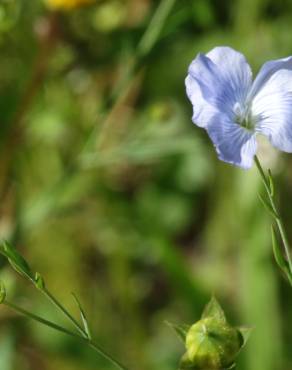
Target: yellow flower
[67,4]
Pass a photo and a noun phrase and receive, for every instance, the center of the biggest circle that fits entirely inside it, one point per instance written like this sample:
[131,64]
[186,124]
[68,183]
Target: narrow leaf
[271,183]
[40,319]
[268,207]
[213,309]
[278,253]
[16,260]
[83,317]
[180,330]
[2,292]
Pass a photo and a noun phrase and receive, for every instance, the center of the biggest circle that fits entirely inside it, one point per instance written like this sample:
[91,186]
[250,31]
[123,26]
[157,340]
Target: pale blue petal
[272,109]
[216,82]
[234,144]
[207,91]
[234,69]
[203,111]
[267,71]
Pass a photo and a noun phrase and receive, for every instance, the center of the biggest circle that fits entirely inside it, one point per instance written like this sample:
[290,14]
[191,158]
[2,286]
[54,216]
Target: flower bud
[212,343]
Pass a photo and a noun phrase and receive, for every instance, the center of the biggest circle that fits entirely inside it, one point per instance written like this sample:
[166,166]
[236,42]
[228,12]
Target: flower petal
[272,109]
[216,82]
[267,71]
[234,69]
[203,111]
[234,144]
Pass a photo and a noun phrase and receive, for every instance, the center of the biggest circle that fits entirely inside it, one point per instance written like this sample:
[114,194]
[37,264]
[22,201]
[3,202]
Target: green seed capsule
[211,344]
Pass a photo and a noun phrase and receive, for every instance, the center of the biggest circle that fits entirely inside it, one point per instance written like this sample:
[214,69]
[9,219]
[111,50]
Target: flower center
[243,116]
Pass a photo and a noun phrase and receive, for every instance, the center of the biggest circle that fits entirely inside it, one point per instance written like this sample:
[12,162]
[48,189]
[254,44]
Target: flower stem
[277,217]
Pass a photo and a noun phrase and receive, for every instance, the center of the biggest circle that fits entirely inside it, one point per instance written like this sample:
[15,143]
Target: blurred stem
[119,98]
[155,26]
[48,39]
[47,42]
[54,326]
[145,45]
[278,218]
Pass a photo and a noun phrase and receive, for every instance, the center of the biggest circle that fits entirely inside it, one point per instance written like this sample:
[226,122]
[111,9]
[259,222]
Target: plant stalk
[278,219]
[54,326]
[65,312]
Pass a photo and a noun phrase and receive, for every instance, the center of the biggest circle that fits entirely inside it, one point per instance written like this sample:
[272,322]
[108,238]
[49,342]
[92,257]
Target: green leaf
[16,260]
[2,292]
[213,309]
[245,333]
[180,330]
[278,253]
[271,183]
[268,207]
[39,281]
[83,317]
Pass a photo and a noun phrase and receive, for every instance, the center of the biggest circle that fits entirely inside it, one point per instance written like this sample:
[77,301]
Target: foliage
[109,190]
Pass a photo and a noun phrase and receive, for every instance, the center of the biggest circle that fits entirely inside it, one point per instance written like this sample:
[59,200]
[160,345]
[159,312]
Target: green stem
[83,333]
[145,45]
[40,319]
[155,26]
[277,219]
[54,326]
[104,354]
[65,312]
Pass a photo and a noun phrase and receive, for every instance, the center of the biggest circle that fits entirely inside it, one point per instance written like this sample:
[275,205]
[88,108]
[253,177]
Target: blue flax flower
[233,109]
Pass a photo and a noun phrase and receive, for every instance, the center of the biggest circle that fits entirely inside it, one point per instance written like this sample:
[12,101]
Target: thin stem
[40,319]
[83,333]
[147,42]
[261,171]
[54,326]
[104,354]
[65,312]
[155,26]
[277,219]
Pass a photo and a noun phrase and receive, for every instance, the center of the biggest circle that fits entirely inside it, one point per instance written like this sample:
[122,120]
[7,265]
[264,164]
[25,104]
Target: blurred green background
[110,191]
